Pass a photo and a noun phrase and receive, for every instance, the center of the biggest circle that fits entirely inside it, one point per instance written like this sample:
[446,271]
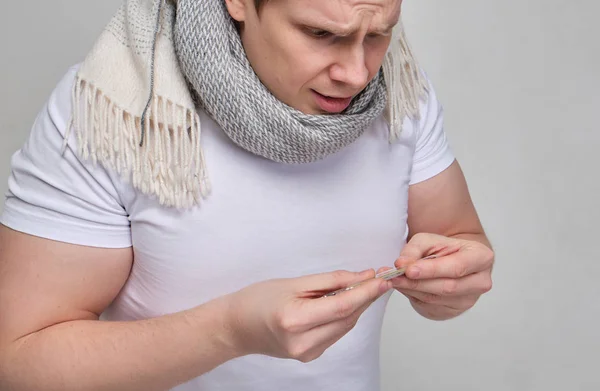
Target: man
[312,128]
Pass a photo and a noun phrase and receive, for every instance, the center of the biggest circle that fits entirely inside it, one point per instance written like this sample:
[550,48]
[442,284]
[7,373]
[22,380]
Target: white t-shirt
[262,220]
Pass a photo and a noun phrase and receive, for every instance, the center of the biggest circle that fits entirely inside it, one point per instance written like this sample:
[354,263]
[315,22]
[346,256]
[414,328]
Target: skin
[336,47]
[333,47]
[443,220]
[52,338]
[54,309]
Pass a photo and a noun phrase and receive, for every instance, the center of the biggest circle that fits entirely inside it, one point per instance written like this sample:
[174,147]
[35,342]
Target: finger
[474,284]
[327,282]
[311,344]
[459,303]
[414,249]
[437,251]
[424,244]
[324,336]
[468,260]
[433,311]
[341,306]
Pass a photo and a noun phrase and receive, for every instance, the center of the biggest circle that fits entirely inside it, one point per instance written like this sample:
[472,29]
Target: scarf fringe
[164,158]
[406,85]
[170,165]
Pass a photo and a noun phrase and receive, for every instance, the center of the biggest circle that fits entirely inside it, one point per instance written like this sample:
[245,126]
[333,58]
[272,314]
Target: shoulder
[432,151]
[54,193]
[431,109]
[59,103]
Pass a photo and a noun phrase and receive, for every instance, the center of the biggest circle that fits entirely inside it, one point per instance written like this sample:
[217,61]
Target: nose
[351,68]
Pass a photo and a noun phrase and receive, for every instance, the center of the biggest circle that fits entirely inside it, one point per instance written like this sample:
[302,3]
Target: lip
[331,104]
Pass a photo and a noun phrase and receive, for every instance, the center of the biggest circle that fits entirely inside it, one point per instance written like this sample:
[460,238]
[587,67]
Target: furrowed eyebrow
[344,32]
[386,28]
[332,28]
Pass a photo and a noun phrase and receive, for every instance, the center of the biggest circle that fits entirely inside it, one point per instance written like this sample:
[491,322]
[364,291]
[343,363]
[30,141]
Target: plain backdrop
[519,82]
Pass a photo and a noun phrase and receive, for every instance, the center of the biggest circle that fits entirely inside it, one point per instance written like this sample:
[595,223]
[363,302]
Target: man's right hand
[289,318]
[51,338]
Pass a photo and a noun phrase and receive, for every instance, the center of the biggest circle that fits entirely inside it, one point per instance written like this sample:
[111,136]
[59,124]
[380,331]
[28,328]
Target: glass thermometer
[386,275]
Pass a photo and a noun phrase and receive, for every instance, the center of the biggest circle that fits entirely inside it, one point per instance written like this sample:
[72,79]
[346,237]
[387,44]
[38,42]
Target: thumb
[415,249]
[422,245]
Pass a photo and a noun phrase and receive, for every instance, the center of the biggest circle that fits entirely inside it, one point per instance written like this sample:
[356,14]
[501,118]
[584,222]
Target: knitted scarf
[137,93]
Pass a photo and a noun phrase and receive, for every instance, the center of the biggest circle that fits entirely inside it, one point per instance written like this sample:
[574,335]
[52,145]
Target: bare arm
[51,295]
[442,205]
[441,216]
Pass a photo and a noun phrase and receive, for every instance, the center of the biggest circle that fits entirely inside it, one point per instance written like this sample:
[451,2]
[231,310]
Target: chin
[304,106]
[305,109]
[312,112]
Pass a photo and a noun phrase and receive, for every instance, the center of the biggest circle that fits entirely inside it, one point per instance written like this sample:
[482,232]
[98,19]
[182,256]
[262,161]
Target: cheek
[304,64]
[374,57]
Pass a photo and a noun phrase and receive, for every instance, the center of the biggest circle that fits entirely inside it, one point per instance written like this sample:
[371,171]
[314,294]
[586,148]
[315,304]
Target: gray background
[519,82]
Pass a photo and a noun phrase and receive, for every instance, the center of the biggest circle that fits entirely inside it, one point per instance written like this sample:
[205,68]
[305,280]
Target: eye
[375,35]
[318,33]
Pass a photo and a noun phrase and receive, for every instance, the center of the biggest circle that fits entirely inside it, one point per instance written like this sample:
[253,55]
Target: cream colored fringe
[170,164]
[406,85]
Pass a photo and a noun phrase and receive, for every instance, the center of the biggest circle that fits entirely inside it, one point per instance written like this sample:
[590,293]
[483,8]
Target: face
[316,55]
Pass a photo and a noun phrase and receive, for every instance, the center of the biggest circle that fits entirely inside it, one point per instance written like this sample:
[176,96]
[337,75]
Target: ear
[238,9]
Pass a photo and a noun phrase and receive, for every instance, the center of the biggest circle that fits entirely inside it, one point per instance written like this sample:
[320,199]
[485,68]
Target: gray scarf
[213,60]
[157,60]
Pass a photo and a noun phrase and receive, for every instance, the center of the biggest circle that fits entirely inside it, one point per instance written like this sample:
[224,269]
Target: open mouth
[331,104]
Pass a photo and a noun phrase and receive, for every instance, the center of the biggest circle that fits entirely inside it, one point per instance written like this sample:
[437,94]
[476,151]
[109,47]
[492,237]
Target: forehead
[347,14]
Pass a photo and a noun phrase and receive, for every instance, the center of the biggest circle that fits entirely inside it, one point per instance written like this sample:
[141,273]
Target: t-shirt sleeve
[56,195]
[432,151]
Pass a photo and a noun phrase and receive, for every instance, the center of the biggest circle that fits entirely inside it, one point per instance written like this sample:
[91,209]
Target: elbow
[15,373]
[6,370]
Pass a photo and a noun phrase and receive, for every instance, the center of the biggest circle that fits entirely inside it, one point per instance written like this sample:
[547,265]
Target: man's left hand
[444,287]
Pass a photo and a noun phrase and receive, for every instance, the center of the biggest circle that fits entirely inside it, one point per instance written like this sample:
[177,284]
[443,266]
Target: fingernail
[401,262]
